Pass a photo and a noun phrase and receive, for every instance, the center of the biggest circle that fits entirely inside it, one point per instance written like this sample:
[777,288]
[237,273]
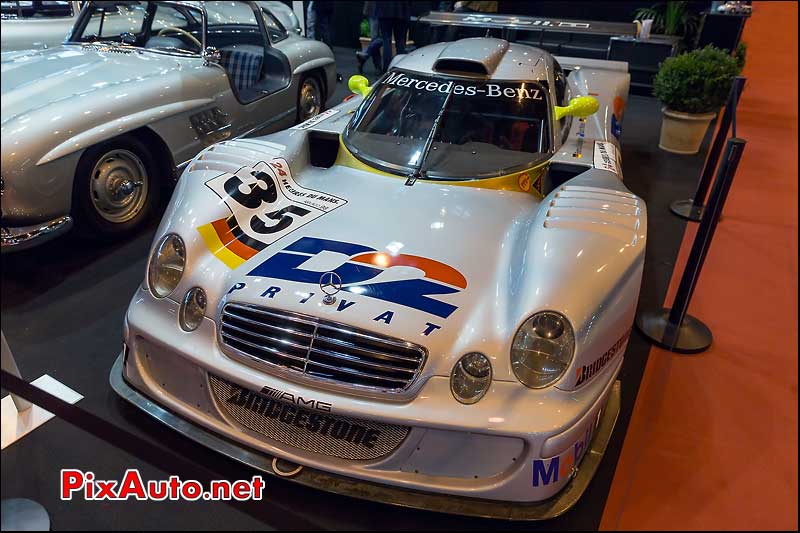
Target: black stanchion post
[692,209]
[673,329]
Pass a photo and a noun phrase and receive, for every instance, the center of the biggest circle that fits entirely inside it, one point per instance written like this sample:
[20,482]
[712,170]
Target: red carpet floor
[712,443]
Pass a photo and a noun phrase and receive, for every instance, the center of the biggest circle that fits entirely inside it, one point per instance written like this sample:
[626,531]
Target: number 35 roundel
[265,204]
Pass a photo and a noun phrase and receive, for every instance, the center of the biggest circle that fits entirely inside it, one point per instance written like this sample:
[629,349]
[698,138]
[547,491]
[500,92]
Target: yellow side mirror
[359,85]
[580,106]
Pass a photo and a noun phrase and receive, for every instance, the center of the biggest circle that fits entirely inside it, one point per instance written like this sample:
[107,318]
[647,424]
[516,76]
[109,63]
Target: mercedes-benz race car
[421,296]
[95,128]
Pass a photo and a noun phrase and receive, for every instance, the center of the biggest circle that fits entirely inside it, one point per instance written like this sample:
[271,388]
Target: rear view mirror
[359,85]
[580,106]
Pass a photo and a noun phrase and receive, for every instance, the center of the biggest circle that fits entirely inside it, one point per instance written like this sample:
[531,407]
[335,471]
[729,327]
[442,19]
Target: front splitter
[368,490]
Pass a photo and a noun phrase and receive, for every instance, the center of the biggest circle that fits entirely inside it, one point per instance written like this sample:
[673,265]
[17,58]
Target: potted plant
[670,18]
[693,87]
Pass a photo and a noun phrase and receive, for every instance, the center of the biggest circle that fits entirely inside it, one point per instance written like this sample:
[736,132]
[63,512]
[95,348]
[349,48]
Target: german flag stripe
[222,241]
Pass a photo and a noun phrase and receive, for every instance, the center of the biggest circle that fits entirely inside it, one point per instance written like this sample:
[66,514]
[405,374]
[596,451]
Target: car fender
[119,126]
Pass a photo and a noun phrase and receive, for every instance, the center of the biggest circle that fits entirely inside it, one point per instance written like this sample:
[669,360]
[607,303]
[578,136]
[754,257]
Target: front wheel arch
[131,153]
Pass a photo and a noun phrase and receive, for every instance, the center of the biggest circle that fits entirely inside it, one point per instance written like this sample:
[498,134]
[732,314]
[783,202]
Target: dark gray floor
[62,310]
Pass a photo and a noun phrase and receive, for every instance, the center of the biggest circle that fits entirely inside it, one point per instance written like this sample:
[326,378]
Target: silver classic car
[94,129]
[421,296]
[42,24]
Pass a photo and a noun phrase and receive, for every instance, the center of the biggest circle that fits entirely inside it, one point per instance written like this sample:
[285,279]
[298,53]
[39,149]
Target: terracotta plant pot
[682,133]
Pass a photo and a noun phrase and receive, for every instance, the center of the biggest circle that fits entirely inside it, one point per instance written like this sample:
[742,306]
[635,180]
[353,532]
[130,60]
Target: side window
[562,99]
[175,29]
[110,21]
[275,30]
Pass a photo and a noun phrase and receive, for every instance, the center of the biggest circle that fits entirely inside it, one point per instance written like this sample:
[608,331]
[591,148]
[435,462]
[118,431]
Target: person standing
[393,19]
[311,21]
[373,49]
[324,14]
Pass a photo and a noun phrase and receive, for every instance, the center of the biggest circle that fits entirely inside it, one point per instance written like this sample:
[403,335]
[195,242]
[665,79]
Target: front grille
[321,349]
[312,430]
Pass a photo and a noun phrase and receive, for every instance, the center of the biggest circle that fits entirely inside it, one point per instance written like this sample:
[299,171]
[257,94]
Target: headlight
[166,265]
[542,349]
[471,377]
[192,309]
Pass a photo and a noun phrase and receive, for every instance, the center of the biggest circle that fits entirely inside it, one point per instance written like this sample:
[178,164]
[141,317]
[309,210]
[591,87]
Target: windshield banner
[492,90]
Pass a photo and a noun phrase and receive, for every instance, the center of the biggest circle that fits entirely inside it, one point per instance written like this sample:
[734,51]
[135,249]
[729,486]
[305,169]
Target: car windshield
[162,26]
[486,128]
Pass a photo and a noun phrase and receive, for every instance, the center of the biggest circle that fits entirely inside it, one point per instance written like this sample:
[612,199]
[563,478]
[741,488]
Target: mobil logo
[360,271]
[547,471]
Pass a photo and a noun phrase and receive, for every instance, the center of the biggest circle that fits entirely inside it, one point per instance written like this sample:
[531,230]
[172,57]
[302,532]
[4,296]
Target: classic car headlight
[542,349]
[166,265]
[471,377]
[192,309]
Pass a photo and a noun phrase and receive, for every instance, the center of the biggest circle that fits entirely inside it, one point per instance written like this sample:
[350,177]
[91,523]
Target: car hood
[452,268]
[36,80]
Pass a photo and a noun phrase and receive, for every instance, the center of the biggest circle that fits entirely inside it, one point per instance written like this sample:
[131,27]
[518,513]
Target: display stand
[20,514]
[673,329]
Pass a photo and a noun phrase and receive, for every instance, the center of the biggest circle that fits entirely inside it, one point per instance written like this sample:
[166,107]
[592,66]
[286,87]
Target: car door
[258,74]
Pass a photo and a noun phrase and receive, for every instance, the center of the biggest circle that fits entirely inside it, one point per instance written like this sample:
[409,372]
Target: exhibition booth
[399,265]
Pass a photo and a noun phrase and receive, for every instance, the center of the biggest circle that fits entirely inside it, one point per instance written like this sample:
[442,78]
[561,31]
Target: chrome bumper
[24,237]
[550,508]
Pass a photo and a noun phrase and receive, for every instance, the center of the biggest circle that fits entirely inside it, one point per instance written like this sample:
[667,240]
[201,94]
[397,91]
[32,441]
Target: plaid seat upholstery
[243,67]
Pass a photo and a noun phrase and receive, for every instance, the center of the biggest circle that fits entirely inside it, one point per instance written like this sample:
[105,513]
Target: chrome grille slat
[265,348]
[267,337]
[382,340]
[357,361]
[319,349]
[374,353]
[270,326]
[365,375]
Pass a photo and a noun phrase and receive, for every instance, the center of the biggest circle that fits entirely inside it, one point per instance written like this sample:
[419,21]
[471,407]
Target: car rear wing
[571,63]
[524,23]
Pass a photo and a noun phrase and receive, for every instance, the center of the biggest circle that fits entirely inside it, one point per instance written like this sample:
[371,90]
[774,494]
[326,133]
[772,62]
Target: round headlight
[166,265]
[542,349]
[192,309]
[471,377]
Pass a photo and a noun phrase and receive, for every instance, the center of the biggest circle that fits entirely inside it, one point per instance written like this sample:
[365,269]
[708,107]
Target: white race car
[421,296]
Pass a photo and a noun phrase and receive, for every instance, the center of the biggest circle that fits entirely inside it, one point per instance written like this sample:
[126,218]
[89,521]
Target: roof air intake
[462,67]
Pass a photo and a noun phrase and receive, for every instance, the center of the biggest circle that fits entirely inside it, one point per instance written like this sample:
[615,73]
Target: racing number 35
[263,191]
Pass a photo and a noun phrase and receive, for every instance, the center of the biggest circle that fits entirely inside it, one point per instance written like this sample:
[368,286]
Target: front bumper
[310,477]
[511,455]
[24,237]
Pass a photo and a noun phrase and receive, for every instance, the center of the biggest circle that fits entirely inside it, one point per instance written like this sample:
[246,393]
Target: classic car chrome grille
[315,430]
[321,349]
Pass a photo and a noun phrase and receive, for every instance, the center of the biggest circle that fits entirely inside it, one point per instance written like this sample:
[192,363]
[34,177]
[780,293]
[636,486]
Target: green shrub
[740,54]
[696,82]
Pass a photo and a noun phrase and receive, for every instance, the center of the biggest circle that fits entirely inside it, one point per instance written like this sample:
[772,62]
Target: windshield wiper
[418,172]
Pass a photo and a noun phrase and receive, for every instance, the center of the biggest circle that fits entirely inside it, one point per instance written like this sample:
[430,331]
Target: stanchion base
[686,209]
[693,335]
[21,514]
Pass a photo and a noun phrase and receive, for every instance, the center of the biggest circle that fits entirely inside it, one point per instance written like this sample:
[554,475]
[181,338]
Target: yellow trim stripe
[216,247]
[509,182]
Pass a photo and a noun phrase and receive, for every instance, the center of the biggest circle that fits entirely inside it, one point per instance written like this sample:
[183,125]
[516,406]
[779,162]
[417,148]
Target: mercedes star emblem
[330,283]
